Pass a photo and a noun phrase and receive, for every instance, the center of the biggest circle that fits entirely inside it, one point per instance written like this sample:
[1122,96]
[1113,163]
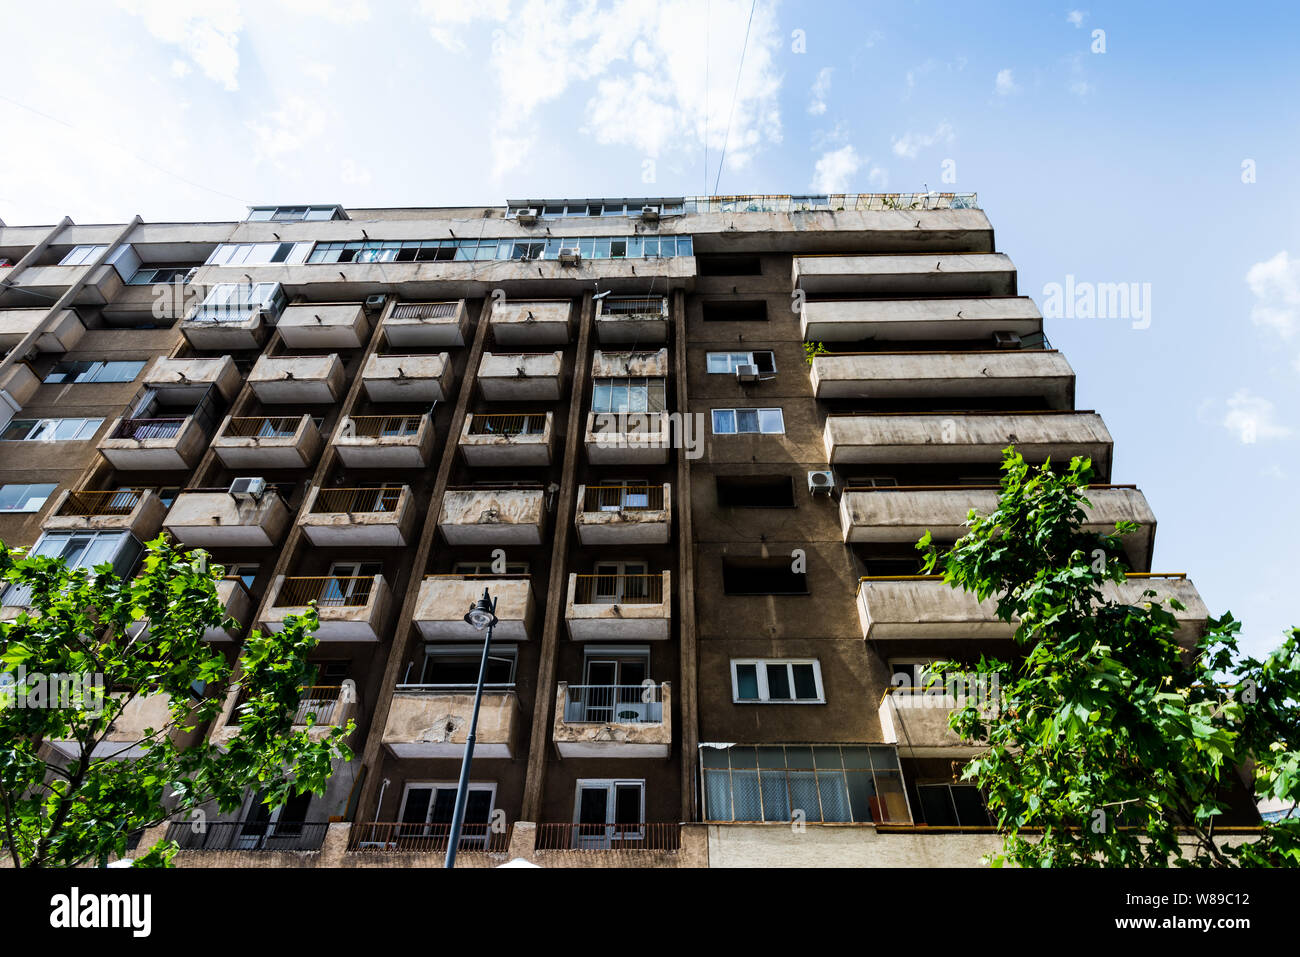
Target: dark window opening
[729,265]
[755,491]
[952,805]
[762,577]
[731,311]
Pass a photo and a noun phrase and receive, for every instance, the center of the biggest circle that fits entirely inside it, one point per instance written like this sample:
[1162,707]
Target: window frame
[735,419]
[95,368]
[764,692]
[26,500]
[53,425]
[751,358]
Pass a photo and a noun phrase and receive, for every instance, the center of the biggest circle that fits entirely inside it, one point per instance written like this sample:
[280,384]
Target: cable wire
[735,95]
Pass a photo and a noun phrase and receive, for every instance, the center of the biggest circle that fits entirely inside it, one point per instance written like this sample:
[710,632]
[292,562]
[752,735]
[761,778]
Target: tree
[103,642]
[1108,736]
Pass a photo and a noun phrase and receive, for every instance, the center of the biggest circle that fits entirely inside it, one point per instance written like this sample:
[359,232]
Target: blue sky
[1117,166]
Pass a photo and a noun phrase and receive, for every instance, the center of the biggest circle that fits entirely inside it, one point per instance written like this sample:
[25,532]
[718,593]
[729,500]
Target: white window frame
[84,431]
[436,650]
[436,786]
[25,499]
[611,834]
[95,372]
[82,255]
[759,413]
[760,670]
[733,359]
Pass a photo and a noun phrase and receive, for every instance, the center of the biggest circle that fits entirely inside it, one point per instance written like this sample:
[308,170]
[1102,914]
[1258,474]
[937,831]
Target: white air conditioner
[570,256]
[650,213]
[527,216]
[746,373]
[248,489]
[1006,340]
[821,483]
[376,302]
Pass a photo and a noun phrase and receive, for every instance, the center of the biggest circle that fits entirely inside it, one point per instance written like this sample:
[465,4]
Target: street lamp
[481,614]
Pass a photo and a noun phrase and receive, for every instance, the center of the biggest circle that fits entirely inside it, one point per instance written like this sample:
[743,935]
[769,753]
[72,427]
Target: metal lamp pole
[482,614]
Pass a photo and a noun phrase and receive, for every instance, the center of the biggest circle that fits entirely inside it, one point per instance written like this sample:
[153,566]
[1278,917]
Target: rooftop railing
[758,203]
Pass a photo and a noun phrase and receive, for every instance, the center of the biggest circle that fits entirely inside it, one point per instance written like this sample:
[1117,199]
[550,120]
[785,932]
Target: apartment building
[687,445]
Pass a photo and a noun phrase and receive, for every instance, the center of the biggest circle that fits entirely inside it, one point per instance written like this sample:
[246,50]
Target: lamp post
[481,614]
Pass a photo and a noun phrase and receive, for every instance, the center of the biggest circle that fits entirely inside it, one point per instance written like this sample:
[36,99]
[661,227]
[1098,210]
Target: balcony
[627,438]
[384,441]
[619,607]
[624,514]
[62,335]
[505,516]
[237,332]
[137,510]
[901,320]
[308,380]
[923,438]
[933,274]
[903,514]
[371,517]
[606,364]
[444,599]
[539,322]
[238,603]
[324,325]
[1037,373]
[388,378]
[631,320]
[142,713]
[268,442]
[174,379]
[326,707]
[425,324]
[19,383]
[520,376]
[613,721]
[426,722]
[351,608]
[497,440]
[924,607]
[916,720]
[213,518]
[161,444]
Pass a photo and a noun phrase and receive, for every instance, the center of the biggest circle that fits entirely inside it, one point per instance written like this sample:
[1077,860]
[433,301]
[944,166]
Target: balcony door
[608,813]
[613,688]
[282,825]
[427,811]
[349,583]
[624,581]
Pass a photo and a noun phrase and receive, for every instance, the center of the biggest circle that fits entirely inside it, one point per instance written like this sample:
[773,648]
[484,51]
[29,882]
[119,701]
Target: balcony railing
[426,838]
[529,423]
[608,837]
[655,307]
[119,502]
[263,427]
[141,429]
[384,426]
[425,310]
[357,500]
[248,835]
[613,704]
[603,498]
[351,591]
[316,702]
[619,589]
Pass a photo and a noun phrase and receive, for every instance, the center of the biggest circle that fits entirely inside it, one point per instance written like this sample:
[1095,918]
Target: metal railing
[613,704]
[357,500]
[628,423]
[380,837]
[528,423]
[608,837]
[619,589]
[624,498]
[424,310]
[335,591]
[160,428]
[655,306]
[758,203]
[382,426]
[119,502]
[263,427]
[248,835]
[316,701]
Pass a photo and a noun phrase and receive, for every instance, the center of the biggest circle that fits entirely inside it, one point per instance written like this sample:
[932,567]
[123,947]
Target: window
[103,371]
[762,576]
[730,266]
[952,805]
[825,782]
[25,498]
[148,275]
[427,811]
[50,430]
[456,666]
[727,362]
[245,572]
[620,582]
[638,394]
[776,680]
[741,421]
[730,311]
[294,214]
[870,481]
[82,550]
[239,302]
[82,255]
[445,250]
[607,811]
[258,254]
[755,491]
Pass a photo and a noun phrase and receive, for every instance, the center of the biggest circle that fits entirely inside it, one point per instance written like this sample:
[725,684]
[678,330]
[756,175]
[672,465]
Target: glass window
[724,421]
[776,680]
[25,498]
[82,255]
[105,371]
[50,430]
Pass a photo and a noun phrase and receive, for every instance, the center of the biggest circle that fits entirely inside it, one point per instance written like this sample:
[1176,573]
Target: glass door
[609,813]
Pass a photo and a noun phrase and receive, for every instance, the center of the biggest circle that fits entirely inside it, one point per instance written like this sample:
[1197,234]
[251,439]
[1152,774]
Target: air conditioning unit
[570,256]
[376,302]
[746,373]
[1006,340]
[821,483]
[650,214]
[248,489]
[527,216]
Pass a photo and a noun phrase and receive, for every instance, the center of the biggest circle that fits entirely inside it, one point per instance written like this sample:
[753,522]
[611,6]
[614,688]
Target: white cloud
[820,88]
[1075,18]
[320,72]
[1273,471]
[335,11]
[448,18]
[835,169]
[1081,89]
[180,69]
[909,144]
[295,123]
[1275,284]
[1253,418]
[354,175]
[207,31]
[1004,84]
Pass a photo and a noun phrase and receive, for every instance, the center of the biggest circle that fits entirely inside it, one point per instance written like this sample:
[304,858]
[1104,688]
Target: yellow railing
[357,500]
[600,498]
[260,426]
[335,591]
[119,502]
